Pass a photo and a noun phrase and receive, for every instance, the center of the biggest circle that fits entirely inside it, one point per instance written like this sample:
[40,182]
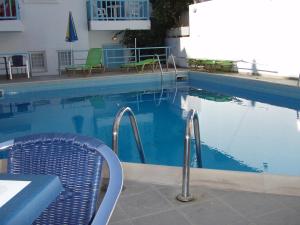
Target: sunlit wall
[261,35]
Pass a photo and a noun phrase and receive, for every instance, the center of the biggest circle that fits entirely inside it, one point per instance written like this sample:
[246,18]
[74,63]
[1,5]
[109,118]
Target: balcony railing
[9,10]
[108,10]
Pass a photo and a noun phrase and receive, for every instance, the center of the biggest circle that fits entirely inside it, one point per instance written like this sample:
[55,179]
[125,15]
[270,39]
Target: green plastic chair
[141,64]
[212,65]
[94,60]
[225,65]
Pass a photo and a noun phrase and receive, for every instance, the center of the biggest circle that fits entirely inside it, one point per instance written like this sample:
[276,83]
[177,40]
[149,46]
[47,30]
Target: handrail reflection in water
[115,133]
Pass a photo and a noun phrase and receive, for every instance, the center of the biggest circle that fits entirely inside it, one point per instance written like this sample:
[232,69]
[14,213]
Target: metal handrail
[176,90]
[192,120]
[175,68]
[160,67]
[174,64]
[115,132]
[161,78]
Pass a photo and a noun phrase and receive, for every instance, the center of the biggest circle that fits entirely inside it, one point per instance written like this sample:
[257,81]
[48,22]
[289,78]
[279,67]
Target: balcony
[10,16]
[118,14]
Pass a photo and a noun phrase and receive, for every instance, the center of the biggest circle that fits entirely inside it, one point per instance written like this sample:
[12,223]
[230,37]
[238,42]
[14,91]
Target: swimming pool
[241,129]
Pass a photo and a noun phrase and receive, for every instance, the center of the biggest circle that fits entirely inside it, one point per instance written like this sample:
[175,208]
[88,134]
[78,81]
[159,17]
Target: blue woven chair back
[77,162]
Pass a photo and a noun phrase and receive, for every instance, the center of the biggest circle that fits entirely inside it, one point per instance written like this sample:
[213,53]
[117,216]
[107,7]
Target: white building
[259,34]
[39,27]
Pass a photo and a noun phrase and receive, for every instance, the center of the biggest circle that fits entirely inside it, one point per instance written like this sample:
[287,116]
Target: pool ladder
[161,79]
[160,67]
[161,76]
[174,64]
[115,132]
[176,74]
[191,122]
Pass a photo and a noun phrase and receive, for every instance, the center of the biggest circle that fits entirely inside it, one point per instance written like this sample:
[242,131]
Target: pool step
[182,76]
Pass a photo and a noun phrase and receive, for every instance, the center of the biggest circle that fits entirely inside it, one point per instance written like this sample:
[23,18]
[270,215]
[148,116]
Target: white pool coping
[82,80]
[219,179]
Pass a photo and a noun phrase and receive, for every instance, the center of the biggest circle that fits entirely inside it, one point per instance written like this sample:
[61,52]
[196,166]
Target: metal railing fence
[118,9]
[9,10]
[113,57]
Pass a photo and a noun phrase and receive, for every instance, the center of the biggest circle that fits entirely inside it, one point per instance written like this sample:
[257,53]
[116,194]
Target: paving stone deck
[150,204]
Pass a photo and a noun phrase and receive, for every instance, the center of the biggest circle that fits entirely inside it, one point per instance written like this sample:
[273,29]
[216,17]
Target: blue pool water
[240,130]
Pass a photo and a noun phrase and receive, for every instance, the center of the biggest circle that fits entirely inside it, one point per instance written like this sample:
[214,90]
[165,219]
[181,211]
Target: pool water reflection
[236,133]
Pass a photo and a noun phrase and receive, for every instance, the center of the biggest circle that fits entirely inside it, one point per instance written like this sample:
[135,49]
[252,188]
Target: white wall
[180,49]
[100,38]
[262,31]
[45,24]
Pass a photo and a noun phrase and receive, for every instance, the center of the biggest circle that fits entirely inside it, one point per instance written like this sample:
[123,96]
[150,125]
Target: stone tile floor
[150,204]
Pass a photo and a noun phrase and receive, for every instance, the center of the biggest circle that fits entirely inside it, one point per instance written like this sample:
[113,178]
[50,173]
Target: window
[38,61]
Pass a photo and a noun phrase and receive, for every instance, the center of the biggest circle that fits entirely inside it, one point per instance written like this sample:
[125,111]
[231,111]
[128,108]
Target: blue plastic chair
[77,161]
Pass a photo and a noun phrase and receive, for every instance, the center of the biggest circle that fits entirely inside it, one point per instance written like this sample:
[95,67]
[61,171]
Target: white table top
[9,188]
[26,196]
